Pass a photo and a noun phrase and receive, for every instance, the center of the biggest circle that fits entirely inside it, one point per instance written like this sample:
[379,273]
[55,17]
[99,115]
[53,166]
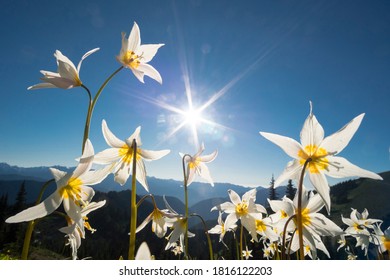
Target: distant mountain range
[358,193]
[11,177]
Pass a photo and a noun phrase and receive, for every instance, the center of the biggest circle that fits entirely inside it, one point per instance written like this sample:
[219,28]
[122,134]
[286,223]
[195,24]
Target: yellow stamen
[318,158]
[126,153]
[72,189]
[260,226]
[131,59]
[242,208]
[194,163]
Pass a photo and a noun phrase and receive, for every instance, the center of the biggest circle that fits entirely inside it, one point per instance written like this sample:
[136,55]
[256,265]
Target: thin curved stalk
[207,235]
[186,206]
[299,211]
[31,224]
[133,206]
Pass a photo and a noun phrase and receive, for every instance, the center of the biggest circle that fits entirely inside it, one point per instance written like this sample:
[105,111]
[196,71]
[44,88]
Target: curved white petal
[138,74]
[152,155]
[96,176]
[57,174]
[92,207]
[110,138]
[122,173]
[190,175]
[49,205]
[210,157]
[339,167]
[321,185]
[336,142]
[144,223]
[292,171]
[136,136]
[250,195]
[107,156]
[226,207]
[315,203]
[86,160]
[41,85]
[148,51]
[149,71]
[234,197]
[312,132]
[141,174]
[87,193]
[85,56]
[134,39]
[324,226]
[205,173]
[60,82]
[143,252]
[287,144]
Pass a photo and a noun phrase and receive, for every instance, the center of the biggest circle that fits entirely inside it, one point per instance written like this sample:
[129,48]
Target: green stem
[241,239]
[186,207]
[31,224]
[299,210]
[207,235]
[92,104]
[133,210]
[284,236]
[88,119]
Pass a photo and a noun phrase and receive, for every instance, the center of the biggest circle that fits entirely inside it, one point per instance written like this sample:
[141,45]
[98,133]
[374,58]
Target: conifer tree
[272,193]
[290,190]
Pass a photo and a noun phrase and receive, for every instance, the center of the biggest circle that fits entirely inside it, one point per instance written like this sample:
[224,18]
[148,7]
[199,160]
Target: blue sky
[264,60]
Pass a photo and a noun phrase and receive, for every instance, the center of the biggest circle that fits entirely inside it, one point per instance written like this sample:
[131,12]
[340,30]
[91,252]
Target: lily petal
[49,205]
[287,144]
[321,185]
[150,71]
[153,155]
[339,167]
[339,140]
[312,132]
[110,138]
[148,51]
[85,56]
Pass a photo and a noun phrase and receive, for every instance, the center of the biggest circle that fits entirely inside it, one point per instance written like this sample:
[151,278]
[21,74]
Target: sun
[192,116]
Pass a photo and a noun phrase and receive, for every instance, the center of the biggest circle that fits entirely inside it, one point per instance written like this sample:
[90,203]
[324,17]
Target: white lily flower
[221,228]
[72,191]
[322,155]
[161,220]
[67,76]
[196,165]
[135,56]
[73,231]
[358,223]
[121,154]
[241,209]
[247,253]
[381,239]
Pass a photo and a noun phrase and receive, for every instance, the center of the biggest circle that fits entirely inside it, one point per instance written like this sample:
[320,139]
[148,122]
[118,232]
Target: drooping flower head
[121,154]
[72,191]
[67,76]
[196,165]
[319,154]
[135,56]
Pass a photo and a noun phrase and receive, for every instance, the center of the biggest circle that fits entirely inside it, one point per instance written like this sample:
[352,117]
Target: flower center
[194,163]
[72,189]
[126,153]
[242,208]
[305,217]
[318,158]
[260,226]
[131,59]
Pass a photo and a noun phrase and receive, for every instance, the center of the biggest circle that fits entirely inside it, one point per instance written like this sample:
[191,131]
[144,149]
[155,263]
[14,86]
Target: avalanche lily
[67,76]
[121,154]
[135,56]
[74,233]
[72,191]
[222,228]
[319,154]
[196,165]
[161,220]
[241,208]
